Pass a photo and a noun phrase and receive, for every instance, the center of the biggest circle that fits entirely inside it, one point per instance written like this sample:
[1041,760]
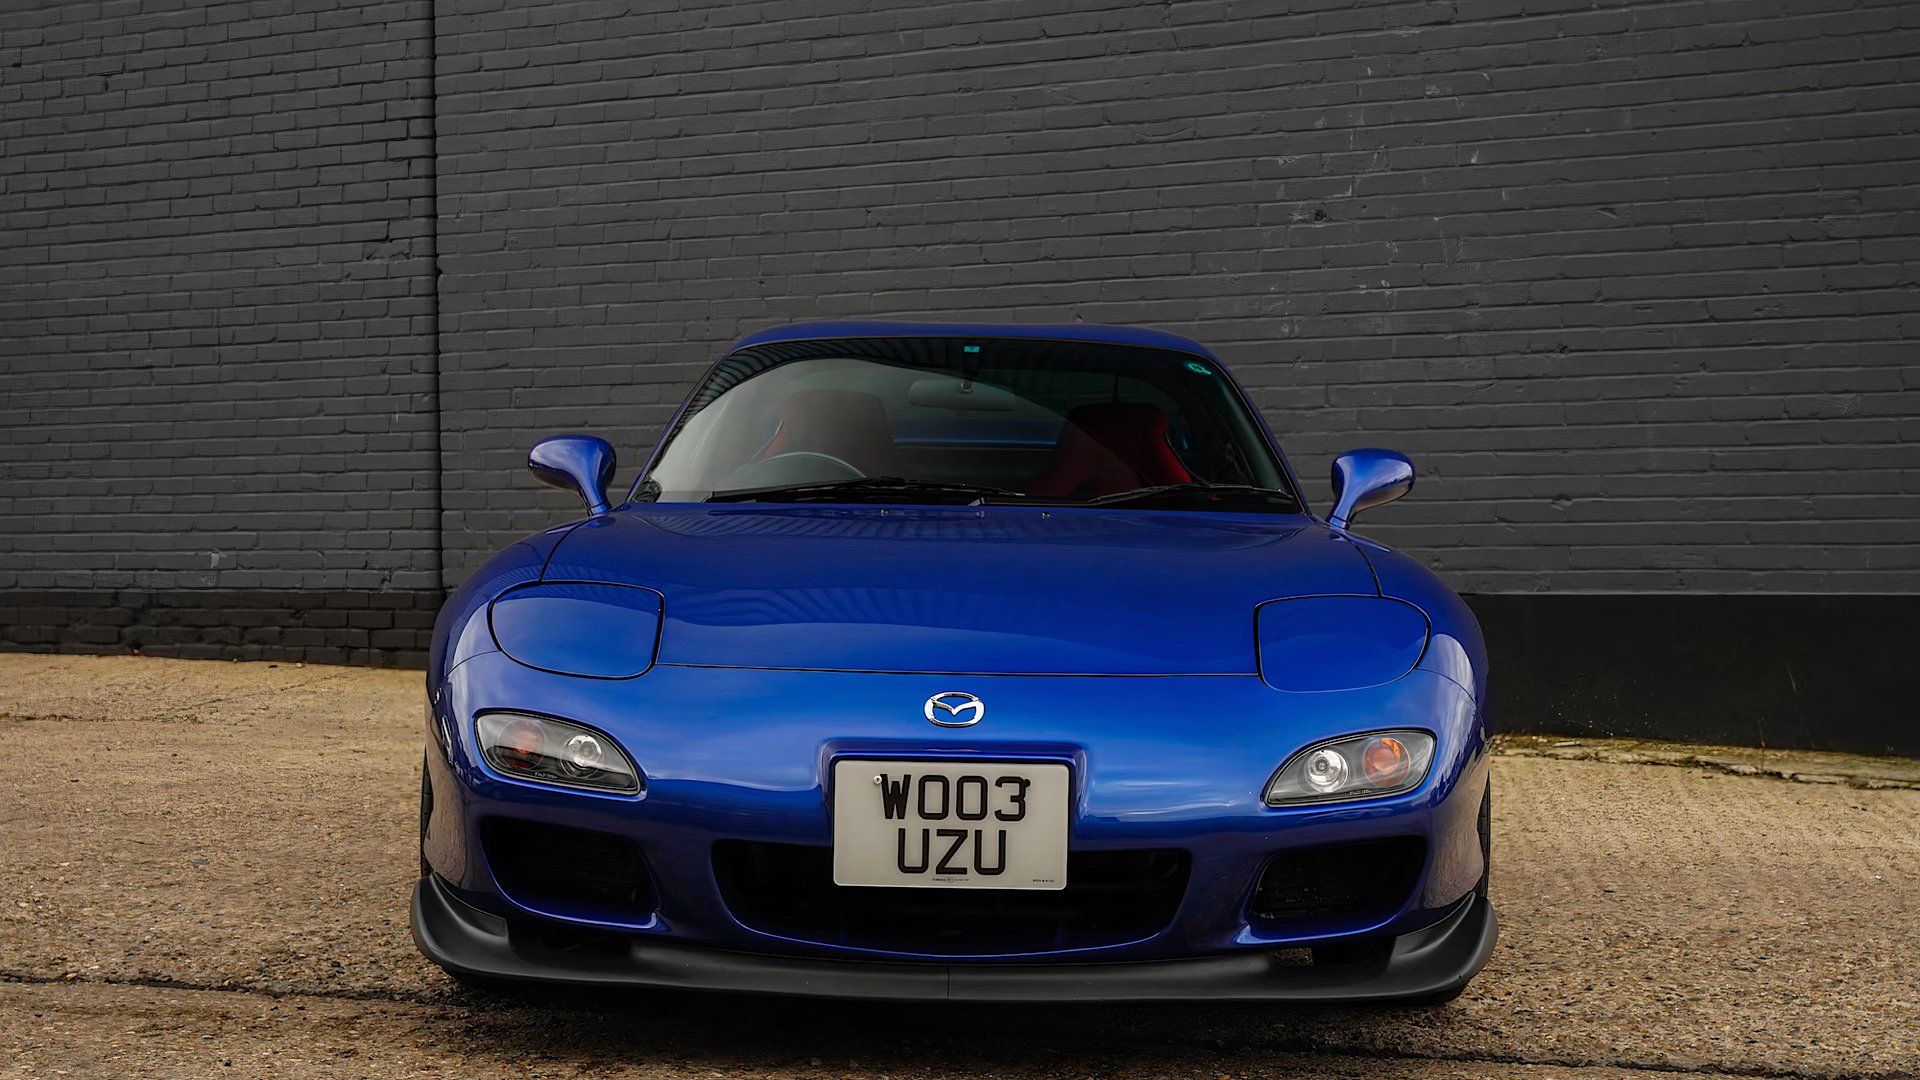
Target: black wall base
[1792,672]
[381,629]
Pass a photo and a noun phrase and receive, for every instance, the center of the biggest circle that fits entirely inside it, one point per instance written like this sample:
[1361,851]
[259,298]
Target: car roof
[1110,335]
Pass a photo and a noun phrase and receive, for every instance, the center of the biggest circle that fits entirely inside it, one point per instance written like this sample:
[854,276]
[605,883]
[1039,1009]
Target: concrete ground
[204,871]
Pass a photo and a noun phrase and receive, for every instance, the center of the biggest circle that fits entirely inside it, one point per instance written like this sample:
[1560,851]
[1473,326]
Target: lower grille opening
[575,942]
[1372,878]
[568,871]
[1111,897]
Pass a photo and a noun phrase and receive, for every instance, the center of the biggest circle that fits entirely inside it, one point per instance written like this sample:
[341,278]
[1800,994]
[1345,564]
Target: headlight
[584,628]
[1356,767]
[555,752]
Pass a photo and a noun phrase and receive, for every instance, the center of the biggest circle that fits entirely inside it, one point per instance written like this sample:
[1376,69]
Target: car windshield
[958,420]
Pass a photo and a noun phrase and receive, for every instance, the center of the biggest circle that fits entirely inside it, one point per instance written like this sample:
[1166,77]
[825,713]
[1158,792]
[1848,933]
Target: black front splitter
[1426,963]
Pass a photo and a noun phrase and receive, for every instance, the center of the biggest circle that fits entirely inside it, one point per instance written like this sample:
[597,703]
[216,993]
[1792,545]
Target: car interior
[1096,449]
[1069,431]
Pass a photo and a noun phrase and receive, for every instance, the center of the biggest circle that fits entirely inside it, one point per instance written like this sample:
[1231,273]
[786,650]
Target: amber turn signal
[1385,761]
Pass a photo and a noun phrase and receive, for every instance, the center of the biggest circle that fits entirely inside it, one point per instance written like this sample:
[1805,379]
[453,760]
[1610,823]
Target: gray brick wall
[216,296]
[1633,282]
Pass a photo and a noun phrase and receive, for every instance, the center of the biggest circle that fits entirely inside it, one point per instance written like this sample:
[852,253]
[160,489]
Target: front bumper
[1172,763]
[1436,960]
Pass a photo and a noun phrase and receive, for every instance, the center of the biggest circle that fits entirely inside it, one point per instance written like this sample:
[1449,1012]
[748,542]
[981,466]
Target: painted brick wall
[216,307]
[287,287]
[1635,283]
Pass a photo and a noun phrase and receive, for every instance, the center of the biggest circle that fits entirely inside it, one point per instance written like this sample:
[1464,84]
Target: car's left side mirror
[1364,479]
[581,464]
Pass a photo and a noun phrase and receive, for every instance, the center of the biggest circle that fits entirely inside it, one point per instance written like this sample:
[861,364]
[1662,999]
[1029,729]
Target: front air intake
[1111,898]
[566,871]
[1369,879]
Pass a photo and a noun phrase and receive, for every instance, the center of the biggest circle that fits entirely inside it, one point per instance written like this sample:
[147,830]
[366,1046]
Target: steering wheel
[768,471]
[852,473]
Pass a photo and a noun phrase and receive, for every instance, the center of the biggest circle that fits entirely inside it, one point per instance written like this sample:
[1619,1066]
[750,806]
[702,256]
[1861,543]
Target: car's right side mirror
[1364,479]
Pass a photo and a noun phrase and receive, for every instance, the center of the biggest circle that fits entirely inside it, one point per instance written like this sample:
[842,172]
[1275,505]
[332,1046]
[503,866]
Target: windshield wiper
[832,490]
[1193,487]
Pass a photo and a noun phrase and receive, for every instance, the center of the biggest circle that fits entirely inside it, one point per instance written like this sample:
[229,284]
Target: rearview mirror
[959,394]
[1364,479]
[581,464]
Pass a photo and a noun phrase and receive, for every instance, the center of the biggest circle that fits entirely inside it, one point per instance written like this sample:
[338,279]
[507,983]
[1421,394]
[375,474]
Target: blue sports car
[963,663]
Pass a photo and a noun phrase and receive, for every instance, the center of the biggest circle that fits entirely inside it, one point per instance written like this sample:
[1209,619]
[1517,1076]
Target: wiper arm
[864,485]
[1195,487]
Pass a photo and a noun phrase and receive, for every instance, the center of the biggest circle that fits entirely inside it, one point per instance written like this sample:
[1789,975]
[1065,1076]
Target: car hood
[987,590]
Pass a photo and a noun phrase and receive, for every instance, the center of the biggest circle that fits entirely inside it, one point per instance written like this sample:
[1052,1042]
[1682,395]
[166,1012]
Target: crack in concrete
[188,711]
[162,982]
[325,676]
[1794,766]
[1810,767]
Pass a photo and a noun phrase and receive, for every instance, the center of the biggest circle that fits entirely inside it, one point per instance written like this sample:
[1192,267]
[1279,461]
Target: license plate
[950,824]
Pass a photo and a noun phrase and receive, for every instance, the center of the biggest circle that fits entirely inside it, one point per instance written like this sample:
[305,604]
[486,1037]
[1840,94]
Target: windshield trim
[1290,482]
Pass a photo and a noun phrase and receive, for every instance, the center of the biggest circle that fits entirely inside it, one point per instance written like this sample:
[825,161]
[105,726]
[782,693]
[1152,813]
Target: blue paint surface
[1173,660]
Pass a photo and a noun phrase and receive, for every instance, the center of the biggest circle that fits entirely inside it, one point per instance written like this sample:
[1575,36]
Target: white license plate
[950,824]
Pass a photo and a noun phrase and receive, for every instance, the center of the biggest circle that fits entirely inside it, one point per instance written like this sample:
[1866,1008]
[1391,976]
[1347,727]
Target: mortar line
[439,559]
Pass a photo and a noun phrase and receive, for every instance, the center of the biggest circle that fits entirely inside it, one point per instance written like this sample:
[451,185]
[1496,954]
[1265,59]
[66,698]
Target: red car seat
[846,424]
[1110,447]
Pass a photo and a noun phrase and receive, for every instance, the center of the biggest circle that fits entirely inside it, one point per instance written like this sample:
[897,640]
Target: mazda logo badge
[955,708]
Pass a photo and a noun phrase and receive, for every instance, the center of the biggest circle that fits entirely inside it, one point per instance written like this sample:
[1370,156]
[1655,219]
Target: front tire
[426,814]
[1485,828]
[1486,841]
